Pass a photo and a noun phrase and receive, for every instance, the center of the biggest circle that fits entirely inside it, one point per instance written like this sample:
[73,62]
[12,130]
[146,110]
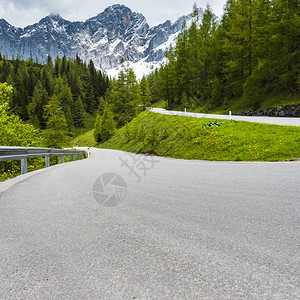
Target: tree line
[71,84]
[252,50]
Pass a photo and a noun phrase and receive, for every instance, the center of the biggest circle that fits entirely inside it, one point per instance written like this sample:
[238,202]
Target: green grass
[206,139]
[85,139]
[89,122]
[160,104]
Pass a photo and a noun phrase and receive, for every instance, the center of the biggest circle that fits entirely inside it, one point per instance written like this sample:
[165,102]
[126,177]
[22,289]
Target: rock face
[113,34]
[291,110]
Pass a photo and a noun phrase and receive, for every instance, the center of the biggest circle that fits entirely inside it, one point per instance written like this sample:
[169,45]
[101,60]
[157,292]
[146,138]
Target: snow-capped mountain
[113,34]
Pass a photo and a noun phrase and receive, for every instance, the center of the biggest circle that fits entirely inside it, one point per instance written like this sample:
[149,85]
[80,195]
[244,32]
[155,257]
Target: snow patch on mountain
[116,33]
[141,68]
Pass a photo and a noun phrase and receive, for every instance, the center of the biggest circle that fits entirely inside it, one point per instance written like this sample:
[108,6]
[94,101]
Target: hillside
[249,59]
[205,139]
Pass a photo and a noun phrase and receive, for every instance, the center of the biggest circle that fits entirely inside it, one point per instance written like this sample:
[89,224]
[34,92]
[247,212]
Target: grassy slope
[85,139]
[205,139]
[89,122]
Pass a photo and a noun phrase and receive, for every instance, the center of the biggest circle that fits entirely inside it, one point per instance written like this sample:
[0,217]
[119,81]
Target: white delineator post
[230,115]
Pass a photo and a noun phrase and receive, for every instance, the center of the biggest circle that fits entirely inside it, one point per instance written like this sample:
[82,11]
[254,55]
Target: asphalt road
[185,230]
[267,120]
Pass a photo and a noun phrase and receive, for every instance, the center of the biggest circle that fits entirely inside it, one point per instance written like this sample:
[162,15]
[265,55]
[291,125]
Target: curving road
[184,230]
[266,120]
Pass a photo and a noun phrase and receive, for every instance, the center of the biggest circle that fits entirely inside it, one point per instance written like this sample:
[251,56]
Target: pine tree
[125,96]
[207,30]
[66,101]
[238,44]
[105,125]
[145,92]
[90,100]
[57,65]
[50,62]
[183,75]
[35,108]
[56,128]
[47,81]
[78,112]
[20,98]
[101,106]
[63,68]
[97,126]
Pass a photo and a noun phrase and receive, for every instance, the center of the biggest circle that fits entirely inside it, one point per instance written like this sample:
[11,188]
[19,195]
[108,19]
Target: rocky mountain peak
[115,33]
[55,16]
[118,16]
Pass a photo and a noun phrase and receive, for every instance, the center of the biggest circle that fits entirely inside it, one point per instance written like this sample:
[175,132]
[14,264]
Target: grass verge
[206,139]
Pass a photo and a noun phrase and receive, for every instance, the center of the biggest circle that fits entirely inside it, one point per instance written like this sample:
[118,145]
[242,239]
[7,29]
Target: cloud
[19,15]
[20,4]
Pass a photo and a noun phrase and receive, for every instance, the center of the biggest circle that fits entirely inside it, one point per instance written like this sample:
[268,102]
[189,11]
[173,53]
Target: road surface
[184,230]
[267,120]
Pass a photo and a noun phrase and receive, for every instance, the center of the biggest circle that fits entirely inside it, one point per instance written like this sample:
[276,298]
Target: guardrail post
[23,153]
[23,165]
[47,161]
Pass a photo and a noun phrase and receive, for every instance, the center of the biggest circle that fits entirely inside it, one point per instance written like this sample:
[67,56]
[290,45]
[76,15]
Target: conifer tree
[56,128]
[78,112]
[36,106]
[145,92]
[125,96]
[66,101]
[97,127]
[105,125]
[50,62]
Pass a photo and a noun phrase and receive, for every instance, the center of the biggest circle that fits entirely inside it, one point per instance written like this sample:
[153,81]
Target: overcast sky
[21,13]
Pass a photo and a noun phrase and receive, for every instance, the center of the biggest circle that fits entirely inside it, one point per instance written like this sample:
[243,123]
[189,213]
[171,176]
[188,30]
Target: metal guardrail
[23,153]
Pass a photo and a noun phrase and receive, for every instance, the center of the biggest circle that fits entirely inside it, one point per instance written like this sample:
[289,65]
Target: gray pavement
[185,230]
[261,119]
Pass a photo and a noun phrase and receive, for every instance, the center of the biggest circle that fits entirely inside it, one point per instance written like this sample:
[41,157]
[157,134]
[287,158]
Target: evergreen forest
[53,96]
[251,52]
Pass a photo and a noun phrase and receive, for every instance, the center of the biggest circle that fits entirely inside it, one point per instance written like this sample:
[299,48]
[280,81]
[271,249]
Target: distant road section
[265,120]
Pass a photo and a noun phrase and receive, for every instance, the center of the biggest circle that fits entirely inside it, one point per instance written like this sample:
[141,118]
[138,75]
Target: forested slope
[77,87]
[249,56]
